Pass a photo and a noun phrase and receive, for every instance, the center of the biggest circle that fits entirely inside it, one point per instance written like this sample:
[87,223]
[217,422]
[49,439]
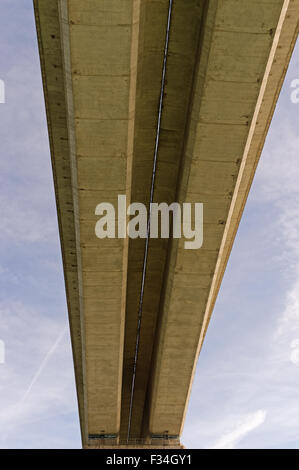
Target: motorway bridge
[159,101]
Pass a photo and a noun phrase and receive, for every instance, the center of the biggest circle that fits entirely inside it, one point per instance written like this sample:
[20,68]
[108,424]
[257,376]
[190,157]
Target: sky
[245,392]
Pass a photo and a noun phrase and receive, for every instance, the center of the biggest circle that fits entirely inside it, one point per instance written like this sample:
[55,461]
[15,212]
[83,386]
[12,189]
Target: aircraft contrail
[44,363]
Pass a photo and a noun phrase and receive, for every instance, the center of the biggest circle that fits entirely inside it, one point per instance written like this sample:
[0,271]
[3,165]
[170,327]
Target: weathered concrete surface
[241,69]
[48,30]
[101,66]
[185,31]
[97,48]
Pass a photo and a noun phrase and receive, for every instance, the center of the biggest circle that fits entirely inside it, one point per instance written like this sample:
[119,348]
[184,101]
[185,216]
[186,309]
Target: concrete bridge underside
[102,71]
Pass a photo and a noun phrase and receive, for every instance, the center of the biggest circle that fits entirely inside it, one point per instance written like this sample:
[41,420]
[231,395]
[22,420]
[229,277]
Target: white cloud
[278,172]
[22,222]
[288,323]
[246,425]
[294,357]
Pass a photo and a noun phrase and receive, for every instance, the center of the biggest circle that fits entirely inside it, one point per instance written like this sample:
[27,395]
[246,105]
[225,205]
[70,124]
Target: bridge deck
[102,72]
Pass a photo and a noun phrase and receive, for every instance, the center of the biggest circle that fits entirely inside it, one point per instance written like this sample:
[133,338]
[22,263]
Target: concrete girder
[101,66]
[241,70]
